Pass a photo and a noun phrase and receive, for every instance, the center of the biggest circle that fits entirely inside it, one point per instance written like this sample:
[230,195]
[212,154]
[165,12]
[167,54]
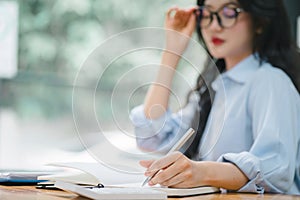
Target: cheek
[245,38]
[245,32]
[206,37]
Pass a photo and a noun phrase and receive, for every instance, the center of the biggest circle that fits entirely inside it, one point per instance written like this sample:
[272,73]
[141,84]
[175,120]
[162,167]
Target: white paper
[105,175]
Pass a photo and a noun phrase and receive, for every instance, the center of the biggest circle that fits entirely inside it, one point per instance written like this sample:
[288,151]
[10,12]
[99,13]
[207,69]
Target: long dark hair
[273,43]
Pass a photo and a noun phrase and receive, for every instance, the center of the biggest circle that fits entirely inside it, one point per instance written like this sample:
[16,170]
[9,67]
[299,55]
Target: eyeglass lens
[226,16]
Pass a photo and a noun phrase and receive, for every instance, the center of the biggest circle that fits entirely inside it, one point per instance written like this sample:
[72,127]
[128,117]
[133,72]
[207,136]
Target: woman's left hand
[175,170]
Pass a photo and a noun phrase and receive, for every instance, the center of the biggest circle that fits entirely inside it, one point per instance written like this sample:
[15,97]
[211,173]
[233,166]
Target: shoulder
[272,95]
[272,79]
[268,73]
[271,85]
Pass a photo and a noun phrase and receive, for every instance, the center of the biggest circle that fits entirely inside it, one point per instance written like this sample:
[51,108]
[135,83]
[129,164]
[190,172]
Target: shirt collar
[240,73]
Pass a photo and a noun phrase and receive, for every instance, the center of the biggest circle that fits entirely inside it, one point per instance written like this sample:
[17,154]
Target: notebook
[95,173]
[127,176]
[111,174]
[120,193]
[92,173]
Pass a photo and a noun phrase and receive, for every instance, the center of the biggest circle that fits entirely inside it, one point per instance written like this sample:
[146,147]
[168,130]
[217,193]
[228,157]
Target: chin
[216,55]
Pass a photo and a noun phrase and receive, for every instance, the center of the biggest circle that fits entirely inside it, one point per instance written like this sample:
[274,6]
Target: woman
[249,127]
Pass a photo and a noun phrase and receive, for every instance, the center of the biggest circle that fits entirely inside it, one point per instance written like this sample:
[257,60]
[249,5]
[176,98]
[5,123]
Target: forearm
[179,24]
[223,175]
[157,98]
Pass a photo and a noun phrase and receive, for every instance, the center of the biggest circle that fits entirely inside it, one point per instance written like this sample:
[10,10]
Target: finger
[178,13]
[181,14]
[171,12]
[189,13]
[182,17]
[175,181]
[167,175]
[192,8]
[183,179]
[146,163]
[178,181]
[163,163]
[191,24]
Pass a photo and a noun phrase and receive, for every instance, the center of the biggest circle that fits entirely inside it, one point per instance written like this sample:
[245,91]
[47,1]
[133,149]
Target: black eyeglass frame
[216,13]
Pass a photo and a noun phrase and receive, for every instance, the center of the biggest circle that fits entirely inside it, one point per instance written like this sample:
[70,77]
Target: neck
[233,61]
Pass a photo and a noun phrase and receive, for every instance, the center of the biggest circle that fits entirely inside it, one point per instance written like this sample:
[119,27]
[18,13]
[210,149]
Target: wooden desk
[30,193]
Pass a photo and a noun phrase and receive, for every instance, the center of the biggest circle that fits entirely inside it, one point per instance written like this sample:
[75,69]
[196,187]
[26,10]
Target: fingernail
[150,183]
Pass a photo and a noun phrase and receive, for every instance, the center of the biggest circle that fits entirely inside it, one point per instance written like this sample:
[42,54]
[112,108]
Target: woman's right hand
[180,24]
[179,27]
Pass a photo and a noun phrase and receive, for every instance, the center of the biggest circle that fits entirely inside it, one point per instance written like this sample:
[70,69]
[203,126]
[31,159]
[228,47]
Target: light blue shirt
[254,123]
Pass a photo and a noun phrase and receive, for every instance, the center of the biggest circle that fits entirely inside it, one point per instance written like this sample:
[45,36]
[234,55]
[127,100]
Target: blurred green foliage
[55,36]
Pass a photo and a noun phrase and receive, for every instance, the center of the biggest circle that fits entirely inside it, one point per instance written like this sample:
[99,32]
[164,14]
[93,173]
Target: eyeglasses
[226,16]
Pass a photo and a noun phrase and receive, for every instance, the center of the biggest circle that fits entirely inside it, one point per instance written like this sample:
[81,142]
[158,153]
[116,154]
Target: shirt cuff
[139,119]
[152,135]
[250,166]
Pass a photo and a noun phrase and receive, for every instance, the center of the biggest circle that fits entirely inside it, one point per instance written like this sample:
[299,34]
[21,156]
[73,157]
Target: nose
[215,24]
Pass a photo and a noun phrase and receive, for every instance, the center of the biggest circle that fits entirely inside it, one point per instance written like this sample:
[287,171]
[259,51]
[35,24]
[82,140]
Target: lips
[217,41]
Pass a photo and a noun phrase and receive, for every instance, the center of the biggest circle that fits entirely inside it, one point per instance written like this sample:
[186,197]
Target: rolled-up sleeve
[250,165]
[161,133]
[271,163]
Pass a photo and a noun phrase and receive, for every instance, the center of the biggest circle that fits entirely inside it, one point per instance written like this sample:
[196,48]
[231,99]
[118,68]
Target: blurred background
[43,44]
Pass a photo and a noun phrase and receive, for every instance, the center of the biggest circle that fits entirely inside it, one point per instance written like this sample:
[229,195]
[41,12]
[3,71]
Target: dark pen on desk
[176,147]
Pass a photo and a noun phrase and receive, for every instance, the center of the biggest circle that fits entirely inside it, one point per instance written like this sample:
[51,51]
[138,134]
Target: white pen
[176,147]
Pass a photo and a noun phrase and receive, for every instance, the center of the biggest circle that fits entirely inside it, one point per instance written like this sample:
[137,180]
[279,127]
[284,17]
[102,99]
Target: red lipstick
[217,41]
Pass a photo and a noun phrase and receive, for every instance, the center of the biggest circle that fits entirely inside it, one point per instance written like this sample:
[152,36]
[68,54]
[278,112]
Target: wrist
[170,59]
[203,173]
[208,174]
[177,42]
[224,175]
